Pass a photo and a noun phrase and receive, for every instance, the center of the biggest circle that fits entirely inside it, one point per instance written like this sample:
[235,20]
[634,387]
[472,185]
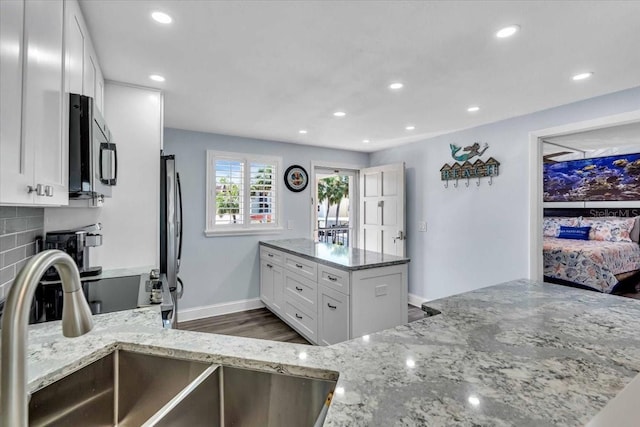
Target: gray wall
[478,236]
[18,230]
[223,269]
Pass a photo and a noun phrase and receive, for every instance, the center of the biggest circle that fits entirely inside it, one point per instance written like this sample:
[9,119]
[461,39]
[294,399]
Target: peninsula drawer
[271,255]
[302,290]
[304,322]
[302,266]
[334,278]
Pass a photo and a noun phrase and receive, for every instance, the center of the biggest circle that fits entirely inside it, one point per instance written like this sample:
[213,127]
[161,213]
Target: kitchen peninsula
[332,293]
[520,353]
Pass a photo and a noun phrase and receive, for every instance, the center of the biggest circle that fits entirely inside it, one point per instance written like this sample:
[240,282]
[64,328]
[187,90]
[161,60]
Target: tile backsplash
[18,230]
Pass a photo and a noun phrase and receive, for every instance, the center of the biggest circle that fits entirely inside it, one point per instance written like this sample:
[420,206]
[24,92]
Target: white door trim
[535,177]
[356,193]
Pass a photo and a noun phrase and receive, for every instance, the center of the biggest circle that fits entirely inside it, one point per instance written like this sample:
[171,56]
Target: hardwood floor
[259,323]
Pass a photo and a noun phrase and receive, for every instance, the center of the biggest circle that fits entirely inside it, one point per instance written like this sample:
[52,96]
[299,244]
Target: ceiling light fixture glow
[410,127]
[339,114]
[507,31]
[156,78]
[473,109]
[162,17]
[365,141]
[582,76]
[302,131]
[396,86]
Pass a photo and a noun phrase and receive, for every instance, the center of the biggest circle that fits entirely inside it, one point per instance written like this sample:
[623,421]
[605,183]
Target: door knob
[400,236]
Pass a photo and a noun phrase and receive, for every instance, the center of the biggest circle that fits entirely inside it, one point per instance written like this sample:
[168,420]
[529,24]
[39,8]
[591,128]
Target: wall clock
[296,178]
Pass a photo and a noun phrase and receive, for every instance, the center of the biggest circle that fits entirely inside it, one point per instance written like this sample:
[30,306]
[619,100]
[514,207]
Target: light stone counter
[520,353]
[338,256]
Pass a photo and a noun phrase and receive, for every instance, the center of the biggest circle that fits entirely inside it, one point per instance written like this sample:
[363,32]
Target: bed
[602,265]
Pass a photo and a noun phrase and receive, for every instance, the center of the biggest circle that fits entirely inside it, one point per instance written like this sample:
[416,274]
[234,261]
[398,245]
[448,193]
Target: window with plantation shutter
[243,194]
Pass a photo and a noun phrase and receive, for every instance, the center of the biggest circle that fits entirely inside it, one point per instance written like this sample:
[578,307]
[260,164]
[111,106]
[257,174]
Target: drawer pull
[298,316]
[332,307]
[269,265]
[270,255]
[299,265]
[298,289]
[333,279]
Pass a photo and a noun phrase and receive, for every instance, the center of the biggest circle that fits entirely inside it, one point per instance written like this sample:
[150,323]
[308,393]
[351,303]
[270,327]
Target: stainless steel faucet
[76,321]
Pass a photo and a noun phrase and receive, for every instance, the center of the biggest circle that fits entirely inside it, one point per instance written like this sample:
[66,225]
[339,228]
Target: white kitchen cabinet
[74,49]
[271,285]
[83,69]
[327,304]
[272,280]
[15,173]
[333,319]
[35,165]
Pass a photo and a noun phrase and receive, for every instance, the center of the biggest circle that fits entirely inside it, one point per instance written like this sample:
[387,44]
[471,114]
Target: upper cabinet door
[90,71]
[16,173]
[44,106]
[74,49]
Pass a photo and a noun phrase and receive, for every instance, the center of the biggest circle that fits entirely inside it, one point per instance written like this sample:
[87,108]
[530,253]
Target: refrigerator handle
[180,221]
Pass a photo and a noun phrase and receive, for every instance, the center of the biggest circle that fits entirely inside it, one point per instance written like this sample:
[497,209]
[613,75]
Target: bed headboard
[600,212]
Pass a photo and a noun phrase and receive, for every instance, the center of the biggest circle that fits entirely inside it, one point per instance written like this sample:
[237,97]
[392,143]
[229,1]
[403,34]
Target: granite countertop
[338,256]
[521,353]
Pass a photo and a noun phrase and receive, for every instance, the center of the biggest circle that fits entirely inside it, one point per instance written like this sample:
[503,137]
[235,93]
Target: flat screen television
[608,178]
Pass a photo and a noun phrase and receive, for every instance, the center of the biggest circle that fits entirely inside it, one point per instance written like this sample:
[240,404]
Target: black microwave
[93,158]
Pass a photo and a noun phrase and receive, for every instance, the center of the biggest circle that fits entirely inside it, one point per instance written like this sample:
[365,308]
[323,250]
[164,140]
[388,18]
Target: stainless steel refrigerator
[171,229]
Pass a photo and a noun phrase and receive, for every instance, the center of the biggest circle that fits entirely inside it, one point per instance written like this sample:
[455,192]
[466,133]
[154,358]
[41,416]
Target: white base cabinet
[328,305]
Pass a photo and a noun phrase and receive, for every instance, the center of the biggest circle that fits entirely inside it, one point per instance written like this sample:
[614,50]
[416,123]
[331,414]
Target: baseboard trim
[219,309]
[416,301]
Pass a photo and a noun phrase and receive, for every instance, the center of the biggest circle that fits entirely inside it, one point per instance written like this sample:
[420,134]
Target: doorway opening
[539,150]
[334,206]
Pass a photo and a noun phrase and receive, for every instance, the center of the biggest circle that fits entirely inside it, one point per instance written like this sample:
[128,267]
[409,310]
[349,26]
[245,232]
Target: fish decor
[464,169]
[610,178]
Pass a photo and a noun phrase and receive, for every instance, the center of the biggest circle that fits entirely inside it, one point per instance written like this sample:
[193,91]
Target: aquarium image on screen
[589,180]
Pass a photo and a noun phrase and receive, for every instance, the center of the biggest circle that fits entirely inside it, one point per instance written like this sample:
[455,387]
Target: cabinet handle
[38,189]
[332,307]
[48,190]
[270,255]
[333,279]
[298,289]
[299,265]
[269,265]
[298,316]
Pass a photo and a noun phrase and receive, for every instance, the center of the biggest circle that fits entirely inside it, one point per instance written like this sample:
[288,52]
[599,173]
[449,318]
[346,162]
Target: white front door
[382,216]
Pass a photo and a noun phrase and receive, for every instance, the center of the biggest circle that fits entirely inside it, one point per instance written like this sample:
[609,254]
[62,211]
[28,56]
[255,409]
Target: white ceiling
[266,69]
[622,139]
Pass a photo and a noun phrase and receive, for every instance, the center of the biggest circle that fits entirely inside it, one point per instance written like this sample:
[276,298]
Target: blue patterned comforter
[591,263]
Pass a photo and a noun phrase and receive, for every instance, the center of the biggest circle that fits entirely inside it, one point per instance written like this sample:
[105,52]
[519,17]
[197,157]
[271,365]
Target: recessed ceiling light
[396,86]
[410,127]
[302,131]
[339,114]
[582,76]
[365,141]
[473,109]
[508,31]
[156,78]
[161,17]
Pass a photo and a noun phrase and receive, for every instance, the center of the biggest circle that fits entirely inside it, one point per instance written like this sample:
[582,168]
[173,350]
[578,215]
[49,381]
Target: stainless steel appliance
[171,228]
[93,158]
[106,295]
[76,243]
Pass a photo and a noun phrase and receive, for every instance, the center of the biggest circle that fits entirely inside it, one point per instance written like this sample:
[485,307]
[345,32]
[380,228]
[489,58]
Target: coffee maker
[76,243]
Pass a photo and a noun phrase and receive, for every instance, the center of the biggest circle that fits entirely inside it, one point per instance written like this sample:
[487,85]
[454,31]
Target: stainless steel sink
[133,389]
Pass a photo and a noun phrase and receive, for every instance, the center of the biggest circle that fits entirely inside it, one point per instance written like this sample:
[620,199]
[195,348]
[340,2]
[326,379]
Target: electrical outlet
[290,224]
[422,226]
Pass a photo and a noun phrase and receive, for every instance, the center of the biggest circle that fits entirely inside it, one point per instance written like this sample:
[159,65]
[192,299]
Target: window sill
[242,232]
